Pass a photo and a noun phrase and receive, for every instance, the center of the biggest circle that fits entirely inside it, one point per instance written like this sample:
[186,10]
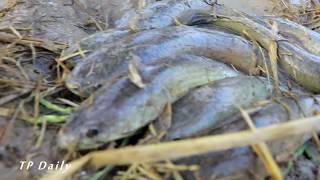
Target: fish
[206,106]
[301,65]
[93,42]
[111,39]
[243,161]
[115,11]
[160,14]
[122,16]
[296,33]
[149,46]
[118,110]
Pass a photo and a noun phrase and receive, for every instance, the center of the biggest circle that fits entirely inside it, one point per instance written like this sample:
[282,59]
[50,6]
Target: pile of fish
[198,63]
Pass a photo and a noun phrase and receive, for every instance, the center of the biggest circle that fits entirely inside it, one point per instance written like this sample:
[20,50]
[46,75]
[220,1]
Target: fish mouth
[73,87]
[71,142]
[66,141]
[90,146]
[81,90]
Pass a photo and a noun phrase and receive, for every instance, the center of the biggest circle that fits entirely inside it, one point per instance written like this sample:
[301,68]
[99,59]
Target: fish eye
[98,86]
[92,133]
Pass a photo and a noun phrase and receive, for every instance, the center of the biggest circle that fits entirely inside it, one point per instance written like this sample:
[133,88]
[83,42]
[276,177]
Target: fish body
[296,33]
[206,106]
[95,41]
[150,46]
[116,11]
[241,161]
[123,16]
[120,109]
[278,111]
[159,14]
[301,65]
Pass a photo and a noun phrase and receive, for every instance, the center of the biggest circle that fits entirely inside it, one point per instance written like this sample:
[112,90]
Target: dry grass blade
[175,173]
[42,135]
[184,148]
[64,58]
[263,151]
[149,172]
[37,99]
[177,22]
[9,127]
[273,54]
[14,31]
[134,75]
[133,24]
[68,102]
[266,69]
[9,5]
[62,76]
[173,167]
[255,44]
[46,44]
[316,139]
[316,3]
[142,4]
[6,112]
[13,96]
[84,9]
[284,4]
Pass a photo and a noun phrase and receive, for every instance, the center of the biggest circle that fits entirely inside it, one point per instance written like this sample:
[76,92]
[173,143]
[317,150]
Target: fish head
[83,82]
[88,130]
[81,87]
[95,71]
[101,118]
[80,141]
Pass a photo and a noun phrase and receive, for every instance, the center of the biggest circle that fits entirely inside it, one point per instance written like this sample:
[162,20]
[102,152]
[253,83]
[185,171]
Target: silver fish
[243,161]
[149,46]
[120,109]
[299,64]
[206,106]
[122,16]
[160,14]
[296,33]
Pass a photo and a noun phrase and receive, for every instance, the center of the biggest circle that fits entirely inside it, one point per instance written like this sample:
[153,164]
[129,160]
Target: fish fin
[165,119]
[142,4]
[275,28]
[177,22]
[133,24]
[134,75]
